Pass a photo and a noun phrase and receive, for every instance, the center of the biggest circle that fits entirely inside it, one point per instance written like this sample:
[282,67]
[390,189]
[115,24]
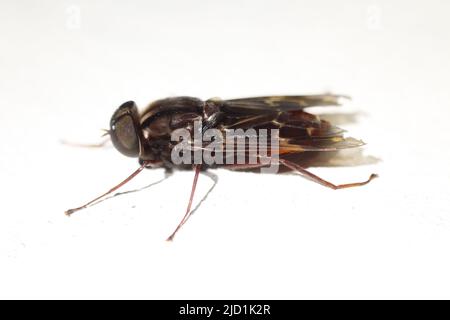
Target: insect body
[148,135]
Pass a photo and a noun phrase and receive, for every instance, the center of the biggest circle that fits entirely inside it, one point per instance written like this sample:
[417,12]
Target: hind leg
[315,178]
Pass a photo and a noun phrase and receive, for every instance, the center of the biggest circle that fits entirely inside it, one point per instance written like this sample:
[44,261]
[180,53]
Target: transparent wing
[283,103]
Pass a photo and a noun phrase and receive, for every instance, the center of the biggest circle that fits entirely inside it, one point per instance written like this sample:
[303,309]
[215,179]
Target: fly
[149,136]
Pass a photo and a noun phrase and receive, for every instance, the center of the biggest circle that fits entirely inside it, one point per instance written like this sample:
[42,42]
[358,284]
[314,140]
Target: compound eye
[124,134]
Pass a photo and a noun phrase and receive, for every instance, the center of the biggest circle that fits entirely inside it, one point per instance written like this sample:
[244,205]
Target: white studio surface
[66,65]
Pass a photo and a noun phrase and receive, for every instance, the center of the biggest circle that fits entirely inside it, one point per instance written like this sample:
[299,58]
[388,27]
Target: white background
[66,65]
